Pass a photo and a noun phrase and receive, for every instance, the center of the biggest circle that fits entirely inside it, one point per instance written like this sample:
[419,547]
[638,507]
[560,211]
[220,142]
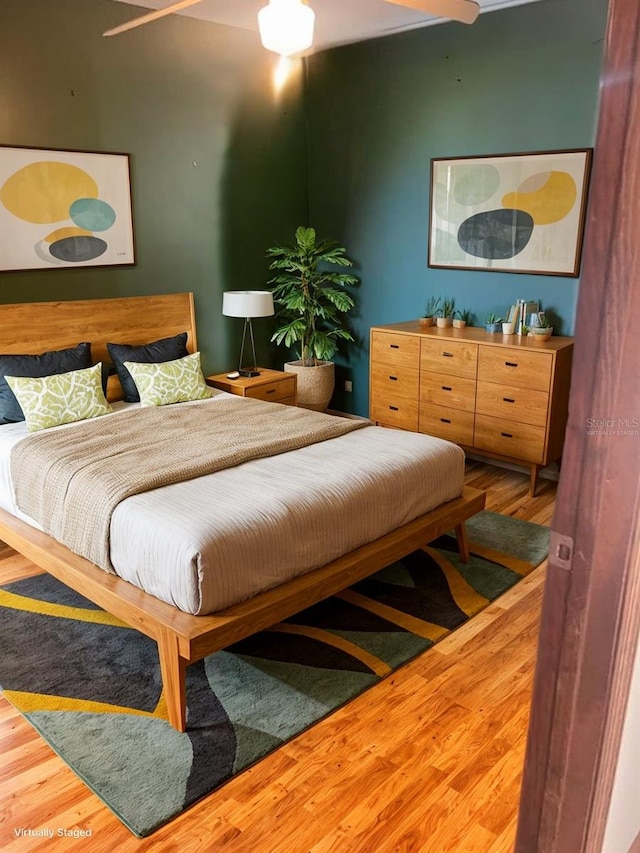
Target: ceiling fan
[286,26]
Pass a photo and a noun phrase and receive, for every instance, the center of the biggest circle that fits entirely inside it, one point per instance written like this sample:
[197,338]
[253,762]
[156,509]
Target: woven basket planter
[314,384]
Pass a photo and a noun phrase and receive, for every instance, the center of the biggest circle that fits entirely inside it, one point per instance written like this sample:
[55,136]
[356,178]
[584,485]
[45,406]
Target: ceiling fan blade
[151,16]
[465,11]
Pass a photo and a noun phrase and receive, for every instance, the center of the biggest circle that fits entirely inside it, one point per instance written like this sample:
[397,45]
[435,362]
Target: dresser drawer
[452,357]
[399,412]
[516,368]
[394,380]
[442,389]
[452,424]
[399,350]
[273,392]
[522,405]
[519,441]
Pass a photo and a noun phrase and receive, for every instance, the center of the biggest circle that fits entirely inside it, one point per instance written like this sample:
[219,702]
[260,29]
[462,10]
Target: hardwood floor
[428,760]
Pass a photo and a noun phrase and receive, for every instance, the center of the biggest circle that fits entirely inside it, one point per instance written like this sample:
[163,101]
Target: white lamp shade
[247,303]
[286,26]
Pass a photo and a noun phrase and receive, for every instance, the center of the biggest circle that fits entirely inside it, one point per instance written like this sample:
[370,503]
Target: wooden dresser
[503,396]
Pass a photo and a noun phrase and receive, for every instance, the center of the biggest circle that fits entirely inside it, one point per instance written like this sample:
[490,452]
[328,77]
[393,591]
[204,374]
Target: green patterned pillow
[166,382]
[49,401]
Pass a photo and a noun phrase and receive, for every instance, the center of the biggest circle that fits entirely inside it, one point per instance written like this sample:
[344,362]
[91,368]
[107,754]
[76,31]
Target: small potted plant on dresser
[543,331]
[492,323]
[312,298]
[430,311]
[444,317]
[461,318]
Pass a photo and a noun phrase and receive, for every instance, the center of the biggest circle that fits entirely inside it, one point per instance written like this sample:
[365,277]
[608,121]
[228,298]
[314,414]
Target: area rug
[91,686]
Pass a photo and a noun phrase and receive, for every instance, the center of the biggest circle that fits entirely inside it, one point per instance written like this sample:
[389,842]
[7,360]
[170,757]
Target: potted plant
[508,327]
[492,323]
[430,311]
[445,313]
[543,331]
[312,299]
[461,318]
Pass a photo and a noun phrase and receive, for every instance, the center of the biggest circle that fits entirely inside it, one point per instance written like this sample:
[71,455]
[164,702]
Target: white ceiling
[337,21]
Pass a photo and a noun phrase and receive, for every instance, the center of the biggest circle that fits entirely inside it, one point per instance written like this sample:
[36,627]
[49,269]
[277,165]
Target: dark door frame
[591,611]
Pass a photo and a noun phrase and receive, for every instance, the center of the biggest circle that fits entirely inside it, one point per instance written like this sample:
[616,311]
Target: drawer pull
[271,390]
[445,420]
[447,355]
[394,346]
[507,434]
[393,408]
[446,388]
[508,400]
[393,378]
[511,364]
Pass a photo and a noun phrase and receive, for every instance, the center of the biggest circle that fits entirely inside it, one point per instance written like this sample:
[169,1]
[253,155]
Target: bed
[184,637]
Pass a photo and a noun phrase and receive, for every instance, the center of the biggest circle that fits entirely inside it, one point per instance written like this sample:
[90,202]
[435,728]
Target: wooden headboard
[35,327]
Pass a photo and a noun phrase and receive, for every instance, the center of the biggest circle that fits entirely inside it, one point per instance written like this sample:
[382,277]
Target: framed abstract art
[519,213]
[64,209]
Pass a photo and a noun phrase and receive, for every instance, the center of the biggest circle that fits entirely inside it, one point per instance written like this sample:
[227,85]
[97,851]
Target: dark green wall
[523,79]
[218,160]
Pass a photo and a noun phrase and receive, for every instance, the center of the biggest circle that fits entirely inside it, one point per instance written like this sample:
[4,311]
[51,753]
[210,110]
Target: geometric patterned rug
[91,686]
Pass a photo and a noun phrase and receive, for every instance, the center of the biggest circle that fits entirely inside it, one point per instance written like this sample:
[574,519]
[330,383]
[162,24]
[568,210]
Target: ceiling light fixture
[286,26]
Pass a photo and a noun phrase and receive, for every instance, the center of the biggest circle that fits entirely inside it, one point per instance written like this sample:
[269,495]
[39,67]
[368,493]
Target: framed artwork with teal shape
[519,213]
[64,209]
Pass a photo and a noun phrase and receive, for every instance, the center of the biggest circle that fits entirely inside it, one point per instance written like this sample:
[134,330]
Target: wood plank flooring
[429,759]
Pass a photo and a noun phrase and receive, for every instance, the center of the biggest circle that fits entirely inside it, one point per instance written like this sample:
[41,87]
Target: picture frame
[518,213]
[62,208]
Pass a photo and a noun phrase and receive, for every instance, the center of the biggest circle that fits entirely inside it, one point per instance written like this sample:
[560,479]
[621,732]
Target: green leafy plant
[311,296]
[432,306]
[544,322]
[447,309]
[465,316]
[491,319]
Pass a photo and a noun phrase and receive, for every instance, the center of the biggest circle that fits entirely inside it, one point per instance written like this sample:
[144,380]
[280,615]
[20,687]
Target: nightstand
[274,386]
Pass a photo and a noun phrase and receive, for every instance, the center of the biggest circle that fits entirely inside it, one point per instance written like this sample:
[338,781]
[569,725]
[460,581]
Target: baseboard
[348,415]
[550,473]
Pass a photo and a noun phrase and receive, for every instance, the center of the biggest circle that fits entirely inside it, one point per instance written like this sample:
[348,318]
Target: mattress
[207,543]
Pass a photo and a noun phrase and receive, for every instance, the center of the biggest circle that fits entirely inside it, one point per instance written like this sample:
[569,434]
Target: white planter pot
[443,322]
[314,384]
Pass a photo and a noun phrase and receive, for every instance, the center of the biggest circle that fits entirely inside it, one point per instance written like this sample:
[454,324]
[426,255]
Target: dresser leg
[463,542]
[533,482]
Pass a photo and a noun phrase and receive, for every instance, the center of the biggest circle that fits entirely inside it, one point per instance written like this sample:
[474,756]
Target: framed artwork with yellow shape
[521,213]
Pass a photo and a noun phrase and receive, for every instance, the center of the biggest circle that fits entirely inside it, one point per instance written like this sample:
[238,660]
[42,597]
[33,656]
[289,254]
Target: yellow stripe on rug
[46,608]
[464,595]
[521,567]
[375,664]
[427,630]
[31,702]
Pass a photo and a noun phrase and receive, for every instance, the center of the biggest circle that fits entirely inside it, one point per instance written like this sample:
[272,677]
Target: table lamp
[247,304]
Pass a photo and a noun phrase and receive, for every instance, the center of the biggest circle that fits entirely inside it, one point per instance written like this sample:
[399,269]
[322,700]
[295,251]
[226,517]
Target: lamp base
[247,372]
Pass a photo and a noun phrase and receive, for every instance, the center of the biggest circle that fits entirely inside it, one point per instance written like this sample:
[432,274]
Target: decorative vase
[508,328]
[315,383]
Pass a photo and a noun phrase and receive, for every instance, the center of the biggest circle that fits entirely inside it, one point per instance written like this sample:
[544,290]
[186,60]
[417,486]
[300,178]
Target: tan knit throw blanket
[71,480]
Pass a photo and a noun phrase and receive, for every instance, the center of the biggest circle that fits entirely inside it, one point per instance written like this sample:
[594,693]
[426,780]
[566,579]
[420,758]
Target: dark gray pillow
[166,349]
[45,364]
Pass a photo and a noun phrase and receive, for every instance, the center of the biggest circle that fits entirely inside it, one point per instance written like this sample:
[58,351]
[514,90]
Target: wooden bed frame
[183,639]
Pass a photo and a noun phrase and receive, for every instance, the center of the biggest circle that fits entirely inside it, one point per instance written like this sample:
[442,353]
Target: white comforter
[204,544]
